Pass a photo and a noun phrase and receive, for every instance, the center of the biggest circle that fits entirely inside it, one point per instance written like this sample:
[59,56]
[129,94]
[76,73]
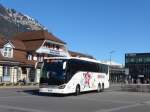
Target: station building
[20,54]
[78,54]
[116,71]
[138,66]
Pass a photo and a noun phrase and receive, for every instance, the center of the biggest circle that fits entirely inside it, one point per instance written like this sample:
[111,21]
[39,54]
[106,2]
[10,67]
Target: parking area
[112,100]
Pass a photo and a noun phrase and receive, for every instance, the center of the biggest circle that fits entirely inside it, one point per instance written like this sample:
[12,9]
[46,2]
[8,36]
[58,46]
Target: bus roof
[78,58]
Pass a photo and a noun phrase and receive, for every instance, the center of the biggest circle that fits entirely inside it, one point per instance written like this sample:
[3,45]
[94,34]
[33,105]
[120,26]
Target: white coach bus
[73,75]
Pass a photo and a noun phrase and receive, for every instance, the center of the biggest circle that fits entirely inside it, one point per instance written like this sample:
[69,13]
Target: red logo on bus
[87,77]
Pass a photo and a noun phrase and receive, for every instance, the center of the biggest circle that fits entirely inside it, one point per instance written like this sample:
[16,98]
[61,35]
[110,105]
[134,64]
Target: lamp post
[110,53]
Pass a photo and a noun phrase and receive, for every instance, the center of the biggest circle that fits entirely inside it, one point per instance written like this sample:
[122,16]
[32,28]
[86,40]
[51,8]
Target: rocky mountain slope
[12,22]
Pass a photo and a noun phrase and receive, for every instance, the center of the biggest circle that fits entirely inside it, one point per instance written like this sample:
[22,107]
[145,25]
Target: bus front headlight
[62,86]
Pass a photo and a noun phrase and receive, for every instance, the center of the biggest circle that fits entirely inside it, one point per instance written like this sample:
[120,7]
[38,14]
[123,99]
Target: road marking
[102,100]
[15,96]
[20,109]
[119,108]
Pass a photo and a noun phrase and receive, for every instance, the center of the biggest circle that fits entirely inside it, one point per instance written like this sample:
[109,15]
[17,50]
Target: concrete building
[138,67]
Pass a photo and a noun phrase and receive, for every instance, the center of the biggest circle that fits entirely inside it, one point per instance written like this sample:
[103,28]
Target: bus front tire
[77,92]
[102,87]
[99,88]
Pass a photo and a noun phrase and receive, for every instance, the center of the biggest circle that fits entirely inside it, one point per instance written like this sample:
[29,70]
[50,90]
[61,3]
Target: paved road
[112,100]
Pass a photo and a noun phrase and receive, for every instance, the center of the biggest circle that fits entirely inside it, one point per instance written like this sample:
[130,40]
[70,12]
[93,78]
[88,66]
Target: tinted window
[53,73]
[79,65]
[104,68]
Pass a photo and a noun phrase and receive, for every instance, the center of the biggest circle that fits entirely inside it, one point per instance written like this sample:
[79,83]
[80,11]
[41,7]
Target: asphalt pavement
[111,100]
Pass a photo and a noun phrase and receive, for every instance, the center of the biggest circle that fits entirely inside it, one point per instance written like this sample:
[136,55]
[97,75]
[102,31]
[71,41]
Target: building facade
[20,54]
[116,71]
[77,54]
[138,67]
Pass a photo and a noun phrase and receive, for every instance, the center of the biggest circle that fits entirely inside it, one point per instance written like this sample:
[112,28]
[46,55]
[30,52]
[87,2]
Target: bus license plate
[50,90]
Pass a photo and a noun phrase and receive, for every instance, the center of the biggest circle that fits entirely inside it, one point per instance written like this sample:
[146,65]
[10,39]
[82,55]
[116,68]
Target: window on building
[140,59]
[6,70]
[35,57]
[147,59]
[8,52]
[29,57]
[6,74]
[24,70]
[40,59]
[127,60]
[57,47]
[132,60]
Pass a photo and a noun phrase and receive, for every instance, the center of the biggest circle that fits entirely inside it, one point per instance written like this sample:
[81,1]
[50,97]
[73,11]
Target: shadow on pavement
[36,93]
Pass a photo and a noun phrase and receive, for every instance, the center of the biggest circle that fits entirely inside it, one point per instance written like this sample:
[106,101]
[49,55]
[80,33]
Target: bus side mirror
[64,65]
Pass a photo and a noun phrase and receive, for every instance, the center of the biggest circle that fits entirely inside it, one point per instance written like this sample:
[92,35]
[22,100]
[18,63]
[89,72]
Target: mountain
[12,22]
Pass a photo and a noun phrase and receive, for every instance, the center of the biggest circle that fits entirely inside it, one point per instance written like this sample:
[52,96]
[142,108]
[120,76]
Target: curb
[136,87]
[9,87]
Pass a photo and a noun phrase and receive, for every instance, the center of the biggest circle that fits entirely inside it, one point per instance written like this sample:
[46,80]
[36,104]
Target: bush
[36,84]
[17,84]
[9,84]
[2,84]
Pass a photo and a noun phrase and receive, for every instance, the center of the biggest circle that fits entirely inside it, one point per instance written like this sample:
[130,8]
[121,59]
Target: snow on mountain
[21,22]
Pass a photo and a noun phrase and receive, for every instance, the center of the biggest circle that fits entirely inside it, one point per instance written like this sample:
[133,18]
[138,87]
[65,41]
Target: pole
[111,52]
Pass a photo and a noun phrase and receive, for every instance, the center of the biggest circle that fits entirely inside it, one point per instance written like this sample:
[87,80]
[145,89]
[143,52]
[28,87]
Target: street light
[110,53]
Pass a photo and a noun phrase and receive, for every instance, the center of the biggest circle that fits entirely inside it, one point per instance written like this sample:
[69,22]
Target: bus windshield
[53,72]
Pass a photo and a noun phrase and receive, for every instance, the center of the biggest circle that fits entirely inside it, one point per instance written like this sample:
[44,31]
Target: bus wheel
[77,90]
[99,88]
[102,87]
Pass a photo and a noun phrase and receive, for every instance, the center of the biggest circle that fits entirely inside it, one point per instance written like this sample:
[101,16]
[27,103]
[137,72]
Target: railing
[136,87]
[52,51]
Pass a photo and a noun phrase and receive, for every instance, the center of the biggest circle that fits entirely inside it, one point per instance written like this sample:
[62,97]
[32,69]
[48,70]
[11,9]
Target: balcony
[51,51]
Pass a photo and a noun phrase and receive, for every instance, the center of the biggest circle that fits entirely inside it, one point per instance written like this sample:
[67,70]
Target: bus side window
[70,70]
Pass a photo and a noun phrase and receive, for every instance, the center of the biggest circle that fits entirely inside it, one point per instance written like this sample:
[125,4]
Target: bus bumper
[57,91]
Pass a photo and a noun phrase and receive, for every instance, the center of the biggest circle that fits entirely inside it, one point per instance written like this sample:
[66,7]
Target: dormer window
[8,52]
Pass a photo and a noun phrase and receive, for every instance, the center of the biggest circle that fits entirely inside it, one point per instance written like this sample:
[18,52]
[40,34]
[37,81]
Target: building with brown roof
[20,54]
[78,54]
[37,35]
[42,42]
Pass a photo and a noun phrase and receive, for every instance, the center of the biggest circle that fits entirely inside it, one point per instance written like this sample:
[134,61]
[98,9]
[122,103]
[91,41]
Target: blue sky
[94,27]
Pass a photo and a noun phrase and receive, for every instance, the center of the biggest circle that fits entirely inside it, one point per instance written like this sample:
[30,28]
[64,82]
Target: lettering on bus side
[100,76]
